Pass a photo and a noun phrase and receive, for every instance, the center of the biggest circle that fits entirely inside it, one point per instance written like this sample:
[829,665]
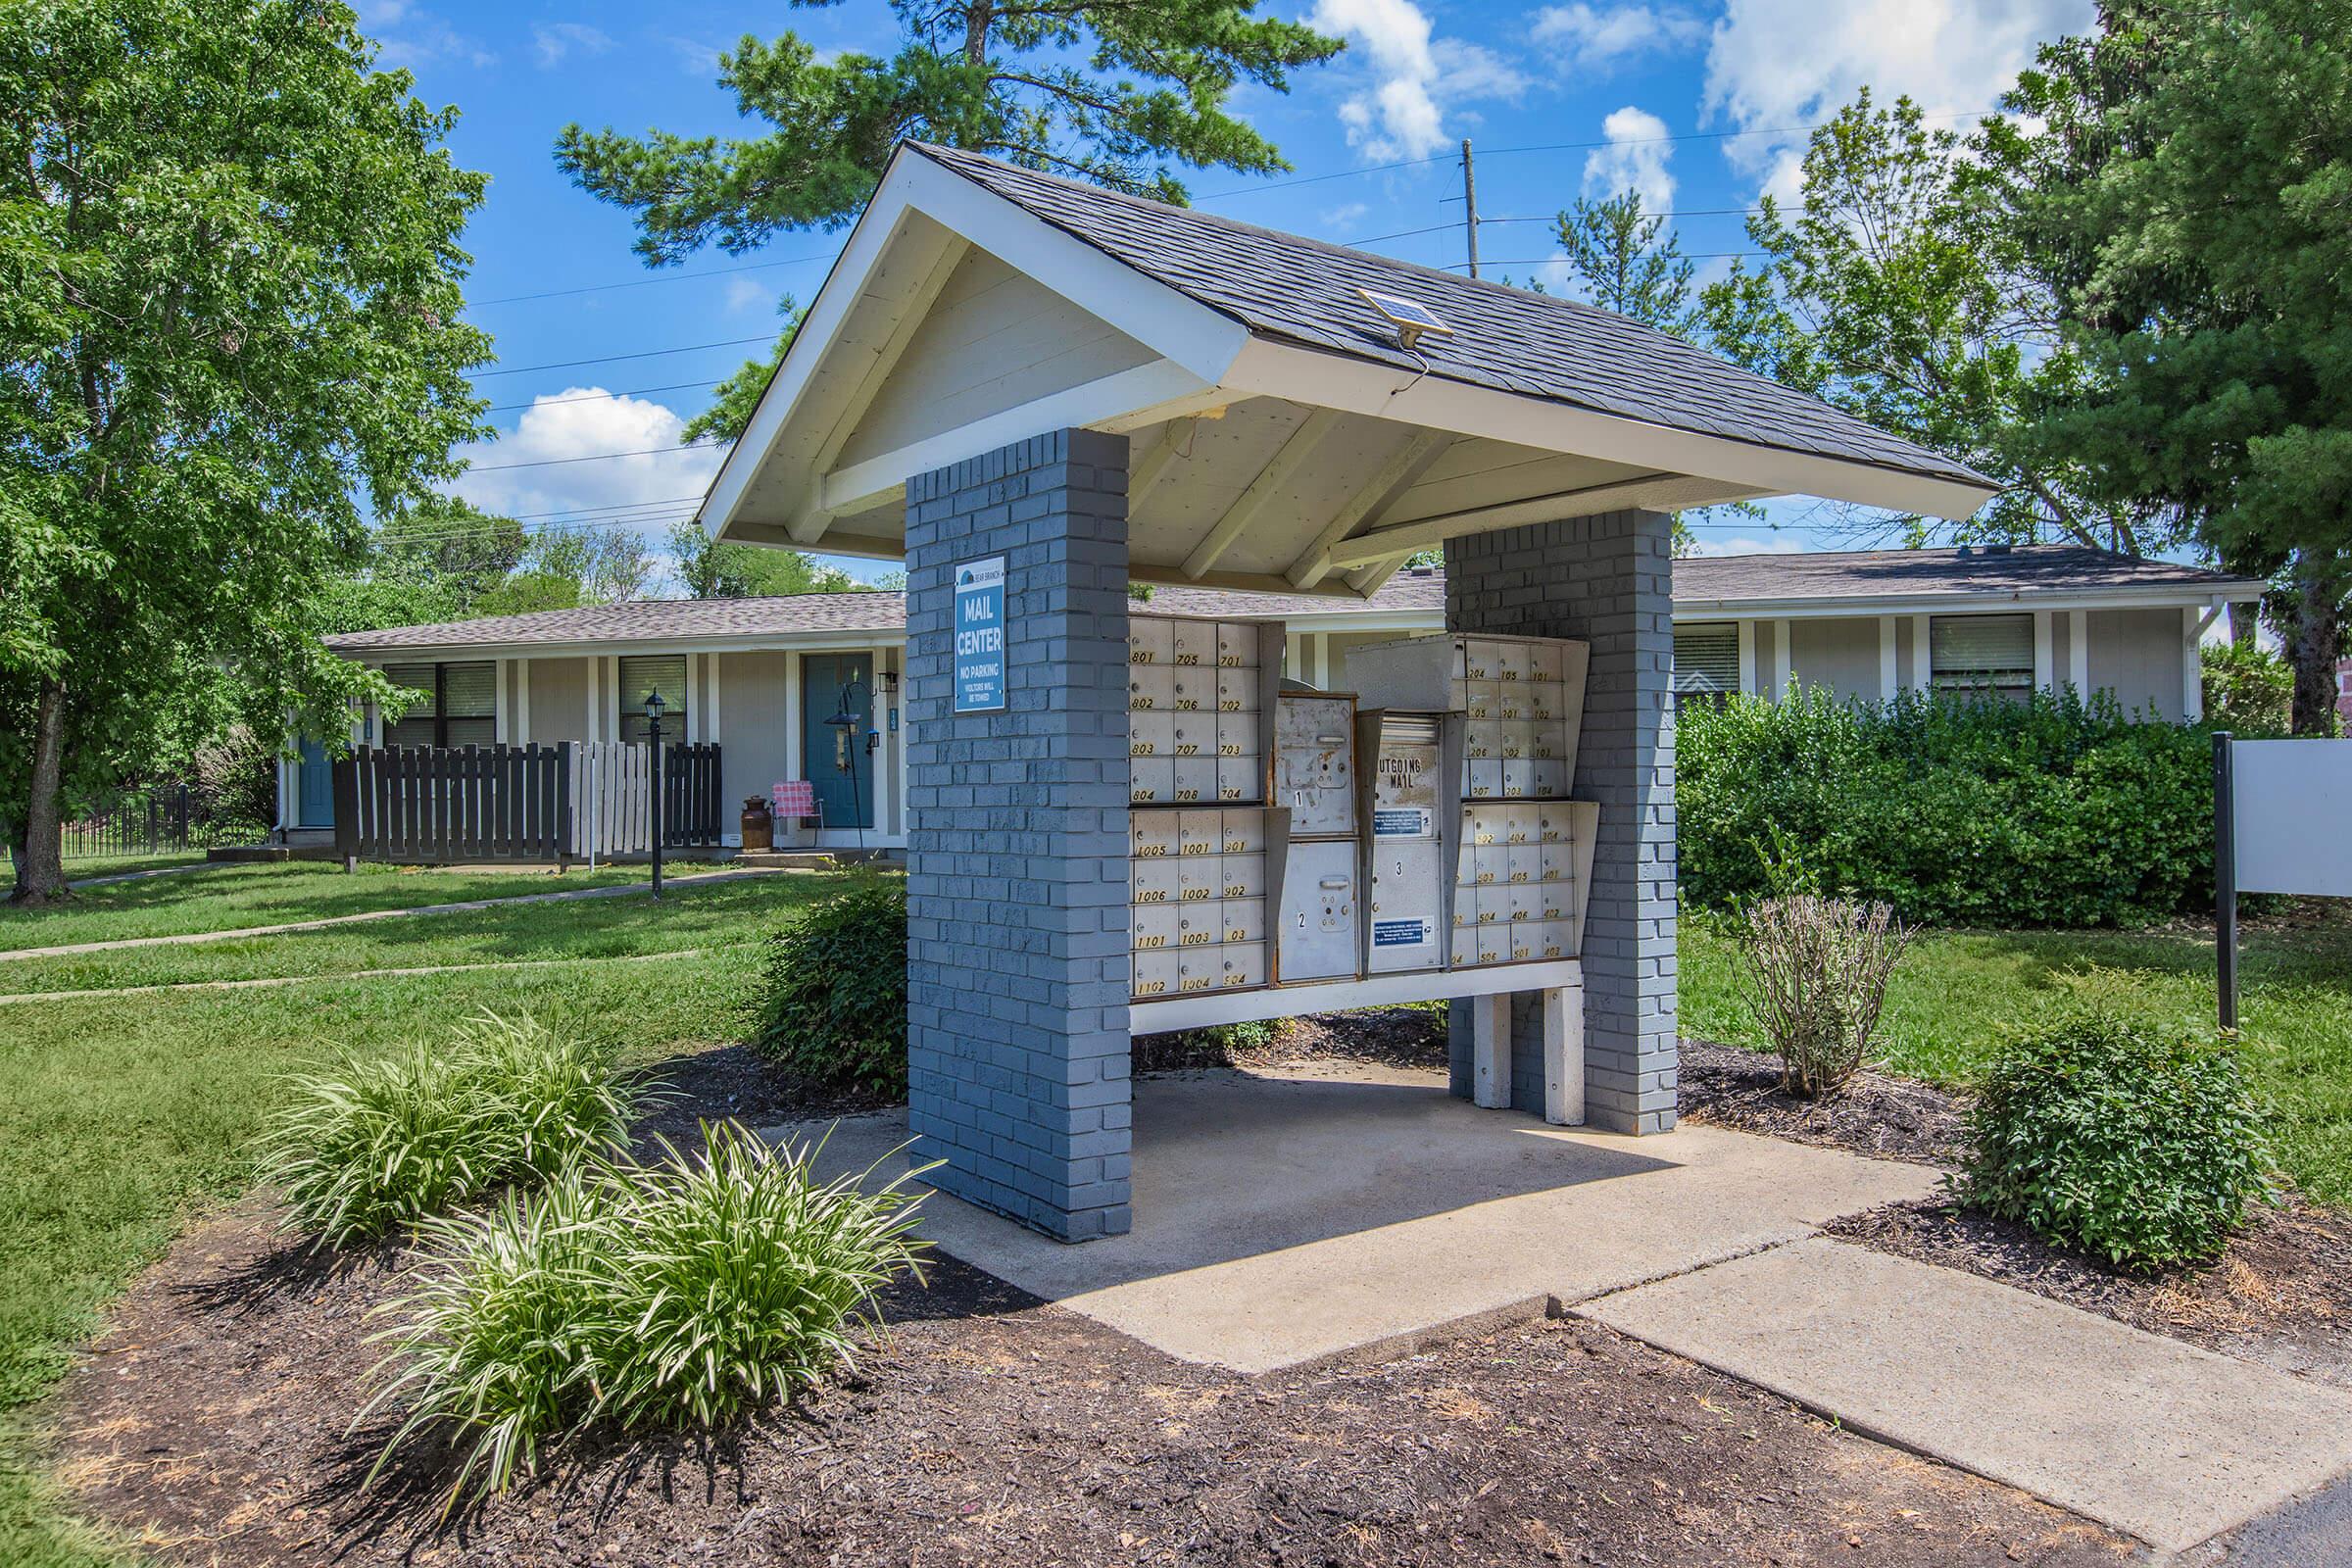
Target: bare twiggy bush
[1814,971]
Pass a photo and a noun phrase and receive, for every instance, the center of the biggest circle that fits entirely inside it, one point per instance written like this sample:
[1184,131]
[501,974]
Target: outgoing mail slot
[1198,880]
[1241,919]
[1241,876]
[1154,927]
[1196,779]
[1150,735]
[1237,691]
[1151,780]
[1148,639]
[1150,688]
[1200,925]
[1152,882]
[1240,778]
[1241,832]
[1243,963]
[1193,644]
[1152,835]
[1157,973]
[1200,832]
[1238,644]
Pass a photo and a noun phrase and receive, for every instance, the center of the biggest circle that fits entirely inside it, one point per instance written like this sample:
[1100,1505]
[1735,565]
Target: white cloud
[579,423]
[1345,215]
[1597,38]
[1403,113]
[1775,63]
[553,40]
[409,39]
[1635,160]
[744,293]
[1776,545]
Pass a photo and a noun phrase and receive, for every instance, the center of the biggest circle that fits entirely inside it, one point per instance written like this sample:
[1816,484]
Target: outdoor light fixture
[654,707]
[889,683]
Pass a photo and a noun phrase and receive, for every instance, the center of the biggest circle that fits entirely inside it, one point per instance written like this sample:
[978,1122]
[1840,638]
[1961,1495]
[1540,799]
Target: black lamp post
[653,729]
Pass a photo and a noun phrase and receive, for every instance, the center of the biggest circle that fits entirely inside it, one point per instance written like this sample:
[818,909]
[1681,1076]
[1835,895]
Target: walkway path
[263,982]
[617,890]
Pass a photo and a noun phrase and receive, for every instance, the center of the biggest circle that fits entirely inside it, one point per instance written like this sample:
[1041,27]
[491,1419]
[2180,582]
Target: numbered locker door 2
[1319,912]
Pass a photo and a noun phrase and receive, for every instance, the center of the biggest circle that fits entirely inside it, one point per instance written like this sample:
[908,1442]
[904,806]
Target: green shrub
[1961,812]
[382,1142]
[834,1007]
[2128,1140]
[1814,972]
[679,1295]
[2249,691]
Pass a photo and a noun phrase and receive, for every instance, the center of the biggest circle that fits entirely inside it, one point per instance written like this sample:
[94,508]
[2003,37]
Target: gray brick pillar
[1610,582]
[1018,931]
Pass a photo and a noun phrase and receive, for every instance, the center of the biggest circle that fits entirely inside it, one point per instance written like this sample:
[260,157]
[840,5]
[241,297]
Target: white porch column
[796,765]
[522,700]
[1748,658]
[711,712]
[2077,652]
[1923,665]
[1564,1055]
[1323,660]
[592,676]
[2192,665]
[1887,676]
[2045,672]
[1784,670]
[1491,1051]
[501,713]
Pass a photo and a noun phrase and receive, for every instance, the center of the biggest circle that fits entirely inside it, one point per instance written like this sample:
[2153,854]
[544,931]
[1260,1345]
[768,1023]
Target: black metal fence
[143,821]
[459,803]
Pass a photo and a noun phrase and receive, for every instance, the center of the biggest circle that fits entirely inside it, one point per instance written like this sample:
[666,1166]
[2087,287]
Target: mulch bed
[213,1419]
[2280,1294]
[1375,1037]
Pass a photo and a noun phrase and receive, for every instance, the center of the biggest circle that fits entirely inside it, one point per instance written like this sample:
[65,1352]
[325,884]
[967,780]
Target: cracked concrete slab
[2161,1440]
[1290,1217]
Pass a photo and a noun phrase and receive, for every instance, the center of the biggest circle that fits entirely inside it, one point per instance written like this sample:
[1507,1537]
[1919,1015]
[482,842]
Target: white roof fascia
[626,647]
[1271,368]
[1179,328]
[1819,606]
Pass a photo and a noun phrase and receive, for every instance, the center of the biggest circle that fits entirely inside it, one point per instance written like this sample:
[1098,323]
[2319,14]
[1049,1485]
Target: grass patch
[122,1118]
[232,897]
[107,866]
[1957,994]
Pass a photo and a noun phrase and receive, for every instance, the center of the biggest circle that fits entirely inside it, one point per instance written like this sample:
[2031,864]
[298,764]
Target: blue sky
[1699,106]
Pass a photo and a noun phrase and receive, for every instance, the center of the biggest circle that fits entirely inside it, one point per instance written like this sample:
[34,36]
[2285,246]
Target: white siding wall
[1842,655]
[2135,654]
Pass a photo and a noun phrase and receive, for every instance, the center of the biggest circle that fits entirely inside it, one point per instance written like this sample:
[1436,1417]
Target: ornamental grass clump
[1814,971]
[380,1144]
[2134,1140]
[683,1294]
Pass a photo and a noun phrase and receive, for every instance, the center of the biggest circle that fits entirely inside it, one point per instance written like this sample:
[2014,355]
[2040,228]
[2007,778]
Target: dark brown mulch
[1894,1118]
[2280,1293]
[698,1086]
[214,1416]
[1374,1037]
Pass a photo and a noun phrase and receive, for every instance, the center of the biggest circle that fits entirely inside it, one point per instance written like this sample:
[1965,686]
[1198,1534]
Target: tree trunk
[39,856]
[2318,645]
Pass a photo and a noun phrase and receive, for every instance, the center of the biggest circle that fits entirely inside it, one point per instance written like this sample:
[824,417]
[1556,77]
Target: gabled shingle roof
[1287,286]
[1698,581]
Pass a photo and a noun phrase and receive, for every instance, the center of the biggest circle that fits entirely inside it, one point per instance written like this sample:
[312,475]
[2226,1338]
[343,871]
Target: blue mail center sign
[980,635]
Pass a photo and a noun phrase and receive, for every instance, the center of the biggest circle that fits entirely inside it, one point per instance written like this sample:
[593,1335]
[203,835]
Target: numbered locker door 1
[1317,936]
[1315,763]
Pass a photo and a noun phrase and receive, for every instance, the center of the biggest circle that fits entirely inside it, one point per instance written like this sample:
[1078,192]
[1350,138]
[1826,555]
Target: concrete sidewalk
[1284,1218]
[2150,1436]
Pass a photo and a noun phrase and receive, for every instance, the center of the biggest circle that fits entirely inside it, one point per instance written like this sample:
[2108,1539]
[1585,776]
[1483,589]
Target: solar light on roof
[1411,319]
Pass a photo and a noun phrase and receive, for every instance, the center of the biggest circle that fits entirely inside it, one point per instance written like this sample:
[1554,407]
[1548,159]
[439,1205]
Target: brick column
[1609,581]
[1018,931]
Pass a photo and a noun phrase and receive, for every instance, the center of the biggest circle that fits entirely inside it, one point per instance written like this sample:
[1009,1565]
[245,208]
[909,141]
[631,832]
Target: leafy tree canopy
[1624,259]
[1109,93]
[229,322]
[709,569]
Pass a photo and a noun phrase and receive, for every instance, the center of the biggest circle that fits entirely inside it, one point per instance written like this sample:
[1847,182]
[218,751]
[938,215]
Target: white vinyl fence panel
[611,793]
[2294,816]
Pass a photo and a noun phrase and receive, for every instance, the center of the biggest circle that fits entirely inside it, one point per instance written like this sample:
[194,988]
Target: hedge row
[1959,813]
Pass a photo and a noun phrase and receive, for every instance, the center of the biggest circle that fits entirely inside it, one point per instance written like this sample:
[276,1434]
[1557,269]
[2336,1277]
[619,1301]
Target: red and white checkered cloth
[796,798]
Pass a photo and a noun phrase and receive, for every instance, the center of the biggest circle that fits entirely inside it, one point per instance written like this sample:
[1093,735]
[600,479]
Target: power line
[659,277]
[593,457]
[613,359]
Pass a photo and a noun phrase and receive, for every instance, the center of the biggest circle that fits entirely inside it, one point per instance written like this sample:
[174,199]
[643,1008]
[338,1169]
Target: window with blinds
[1707,661]
[652,673]
[1980,653]
[457,704]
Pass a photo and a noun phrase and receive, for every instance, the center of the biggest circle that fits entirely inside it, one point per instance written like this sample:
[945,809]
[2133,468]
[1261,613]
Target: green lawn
[121,1118]
[91,865]
[229,898]
[1957,992]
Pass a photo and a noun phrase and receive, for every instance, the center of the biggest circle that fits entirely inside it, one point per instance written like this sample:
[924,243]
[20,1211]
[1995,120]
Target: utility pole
[1470,203]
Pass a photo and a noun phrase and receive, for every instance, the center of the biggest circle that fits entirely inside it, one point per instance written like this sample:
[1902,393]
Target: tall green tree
[454,545]
[228,321]
[1901,293]
[1627,261]
[2190,170]
[709,569]
[738,396]
[1107,93]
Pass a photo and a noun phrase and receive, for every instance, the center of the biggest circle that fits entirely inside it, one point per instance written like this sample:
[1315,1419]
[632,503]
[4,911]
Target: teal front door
[315,788]
[823,679]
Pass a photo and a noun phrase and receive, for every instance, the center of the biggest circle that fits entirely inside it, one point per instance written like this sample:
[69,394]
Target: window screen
[1707,661]
[458,705]
[1973,652]
[652,673]
[416,725]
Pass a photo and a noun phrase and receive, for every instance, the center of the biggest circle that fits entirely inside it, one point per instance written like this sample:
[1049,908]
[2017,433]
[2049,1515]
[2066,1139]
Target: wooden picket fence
[572,799]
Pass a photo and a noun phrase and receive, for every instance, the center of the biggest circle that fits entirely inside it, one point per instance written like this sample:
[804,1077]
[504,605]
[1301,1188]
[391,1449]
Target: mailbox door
[1319,914]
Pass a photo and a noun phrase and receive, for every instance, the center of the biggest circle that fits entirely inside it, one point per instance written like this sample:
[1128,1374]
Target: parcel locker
[1314,768]
[1403,903]
[1193,644]
[1317,921]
